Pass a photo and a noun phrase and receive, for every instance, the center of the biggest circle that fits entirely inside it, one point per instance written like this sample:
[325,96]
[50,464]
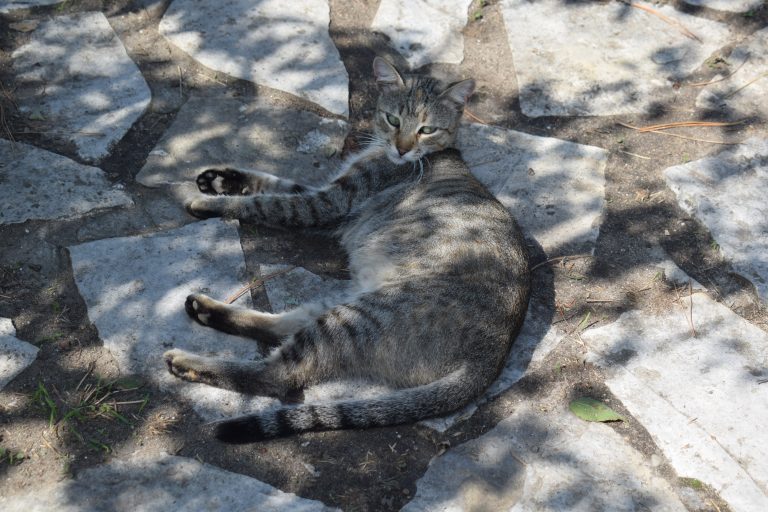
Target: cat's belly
[371,269]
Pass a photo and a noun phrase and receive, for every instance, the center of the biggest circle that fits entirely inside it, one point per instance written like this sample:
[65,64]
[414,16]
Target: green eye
[393,120]
[426,130]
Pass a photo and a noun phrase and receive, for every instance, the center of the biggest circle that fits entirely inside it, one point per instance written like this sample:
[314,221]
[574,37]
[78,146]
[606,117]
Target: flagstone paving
[424,31]
[727,193]
[544,461]
[555,188]
[727,5]
[618,60]
[15,355]
[270,42]
[98,258]
[38,184]
[213,132]
[14,5]
[744,90]
[160,483]
[698,394]
[78,81]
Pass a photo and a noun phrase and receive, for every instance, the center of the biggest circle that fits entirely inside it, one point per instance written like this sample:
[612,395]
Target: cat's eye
[426,130]
[393,120]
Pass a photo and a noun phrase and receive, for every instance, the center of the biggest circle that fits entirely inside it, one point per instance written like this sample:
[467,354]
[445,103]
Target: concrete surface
[15,355]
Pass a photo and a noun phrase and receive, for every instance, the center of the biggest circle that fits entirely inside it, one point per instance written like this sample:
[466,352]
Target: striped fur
[439,277]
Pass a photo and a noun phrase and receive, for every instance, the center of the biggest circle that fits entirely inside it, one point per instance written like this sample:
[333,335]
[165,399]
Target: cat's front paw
[229,182]
[186,366]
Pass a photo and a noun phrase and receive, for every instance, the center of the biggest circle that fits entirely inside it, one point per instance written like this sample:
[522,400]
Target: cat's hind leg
[260,325]
[242,182]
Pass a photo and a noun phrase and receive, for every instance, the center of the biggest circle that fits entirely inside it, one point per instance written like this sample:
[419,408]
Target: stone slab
[211,132]
[159,483]
[699,396]
[727,5]
[743,93]
[544,461]
[13,5]
[135,288]
[554,188]
[598,58]
[76,77]
[424,31]
[15,355]
[40,185]
[727,193]
[271,42]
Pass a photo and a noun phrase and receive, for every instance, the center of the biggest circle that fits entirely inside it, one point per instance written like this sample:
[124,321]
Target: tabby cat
[439,269]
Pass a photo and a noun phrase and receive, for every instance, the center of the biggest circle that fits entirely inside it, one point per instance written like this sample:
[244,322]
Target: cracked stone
[270,42]
[15,355]
[78,81]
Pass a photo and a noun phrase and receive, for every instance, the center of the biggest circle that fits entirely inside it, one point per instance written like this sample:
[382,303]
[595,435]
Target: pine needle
[473,117]
[681,124]
[258,282]
[666,19]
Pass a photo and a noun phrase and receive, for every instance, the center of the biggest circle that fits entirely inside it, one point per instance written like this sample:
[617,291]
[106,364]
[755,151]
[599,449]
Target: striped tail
[401,406]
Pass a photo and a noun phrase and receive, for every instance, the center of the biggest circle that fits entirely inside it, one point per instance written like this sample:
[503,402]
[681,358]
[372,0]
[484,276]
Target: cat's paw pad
[196,308]
[229,182]
[182,365]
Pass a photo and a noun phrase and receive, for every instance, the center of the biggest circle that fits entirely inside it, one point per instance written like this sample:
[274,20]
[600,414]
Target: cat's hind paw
[204,208]
[186,366]
[229,182]
[196,308]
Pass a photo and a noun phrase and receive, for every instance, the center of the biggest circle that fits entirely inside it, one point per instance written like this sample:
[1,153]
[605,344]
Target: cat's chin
[396,159]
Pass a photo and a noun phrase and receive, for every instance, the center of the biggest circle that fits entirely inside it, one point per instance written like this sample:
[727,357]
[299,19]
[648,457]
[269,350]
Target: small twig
[635,154]
[473,117]
[258,282]
[677,135]
[53,132]
[600,301]
[681,124]
[181,91]
[559,258]
[129,402]
[762,381]
[690,308]
[675,23]
[91,366]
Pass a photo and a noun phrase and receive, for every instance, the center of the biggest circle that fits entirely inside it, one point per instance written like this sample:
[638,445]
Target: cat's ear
[387,77]
[459,92]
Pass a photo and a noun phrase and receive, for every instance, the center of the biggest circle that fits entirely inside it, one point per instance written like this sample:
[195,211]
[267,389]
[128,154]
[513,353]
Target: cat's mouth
[396,158]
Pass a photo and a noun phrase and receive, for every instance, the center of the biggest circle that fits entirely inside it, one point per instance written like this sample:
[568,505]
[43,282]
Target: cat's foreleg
[245,182]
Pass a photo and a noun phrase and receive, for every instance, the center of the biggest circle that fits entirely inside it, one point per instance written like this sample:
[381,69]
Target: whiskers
[371,140]
[420,163]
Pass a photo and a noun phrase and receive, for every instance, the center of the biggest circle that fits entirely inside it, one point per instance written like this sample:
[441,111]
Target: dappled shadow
[627,230]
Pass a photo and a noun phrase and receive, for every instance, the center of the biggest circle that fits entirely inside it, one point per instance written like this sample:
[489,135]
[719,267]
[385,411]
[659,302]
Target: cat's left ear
[459,92]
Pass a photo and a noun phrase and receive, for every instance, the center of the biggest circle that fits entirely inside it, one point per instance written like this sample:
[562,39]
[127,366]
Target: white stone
[727,5]
[424,31]
[699,397]
[135,288]
[159,483]
[15,355]
[598,58]
[283,45]
[544,461]
[75,74]
[210,132]
[12,5]
[744,92]
[672,273]
[727,192]
[554,188]
[37,184]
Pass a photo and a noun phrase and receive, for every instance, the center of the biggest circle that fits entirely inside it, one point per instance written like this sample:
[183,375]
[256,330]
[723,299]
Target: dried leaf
[25,26]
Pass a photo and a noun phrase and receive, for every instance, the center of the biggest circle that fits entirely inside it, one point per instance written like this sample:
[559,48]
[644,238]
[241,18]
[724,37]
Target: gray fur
[439,268]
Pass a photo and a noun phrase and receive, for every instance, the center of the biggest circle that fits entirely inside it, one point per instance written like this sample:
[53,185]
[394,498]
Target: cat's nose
[402,151]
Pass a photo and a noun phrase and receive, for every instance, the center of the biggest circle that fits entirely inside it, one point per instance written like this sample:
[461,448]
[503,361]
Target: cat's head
[416,115]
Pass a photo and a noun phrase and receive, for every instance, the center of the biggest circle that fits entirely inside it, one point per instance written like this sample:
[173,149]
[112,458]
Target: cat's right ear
[387,77]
